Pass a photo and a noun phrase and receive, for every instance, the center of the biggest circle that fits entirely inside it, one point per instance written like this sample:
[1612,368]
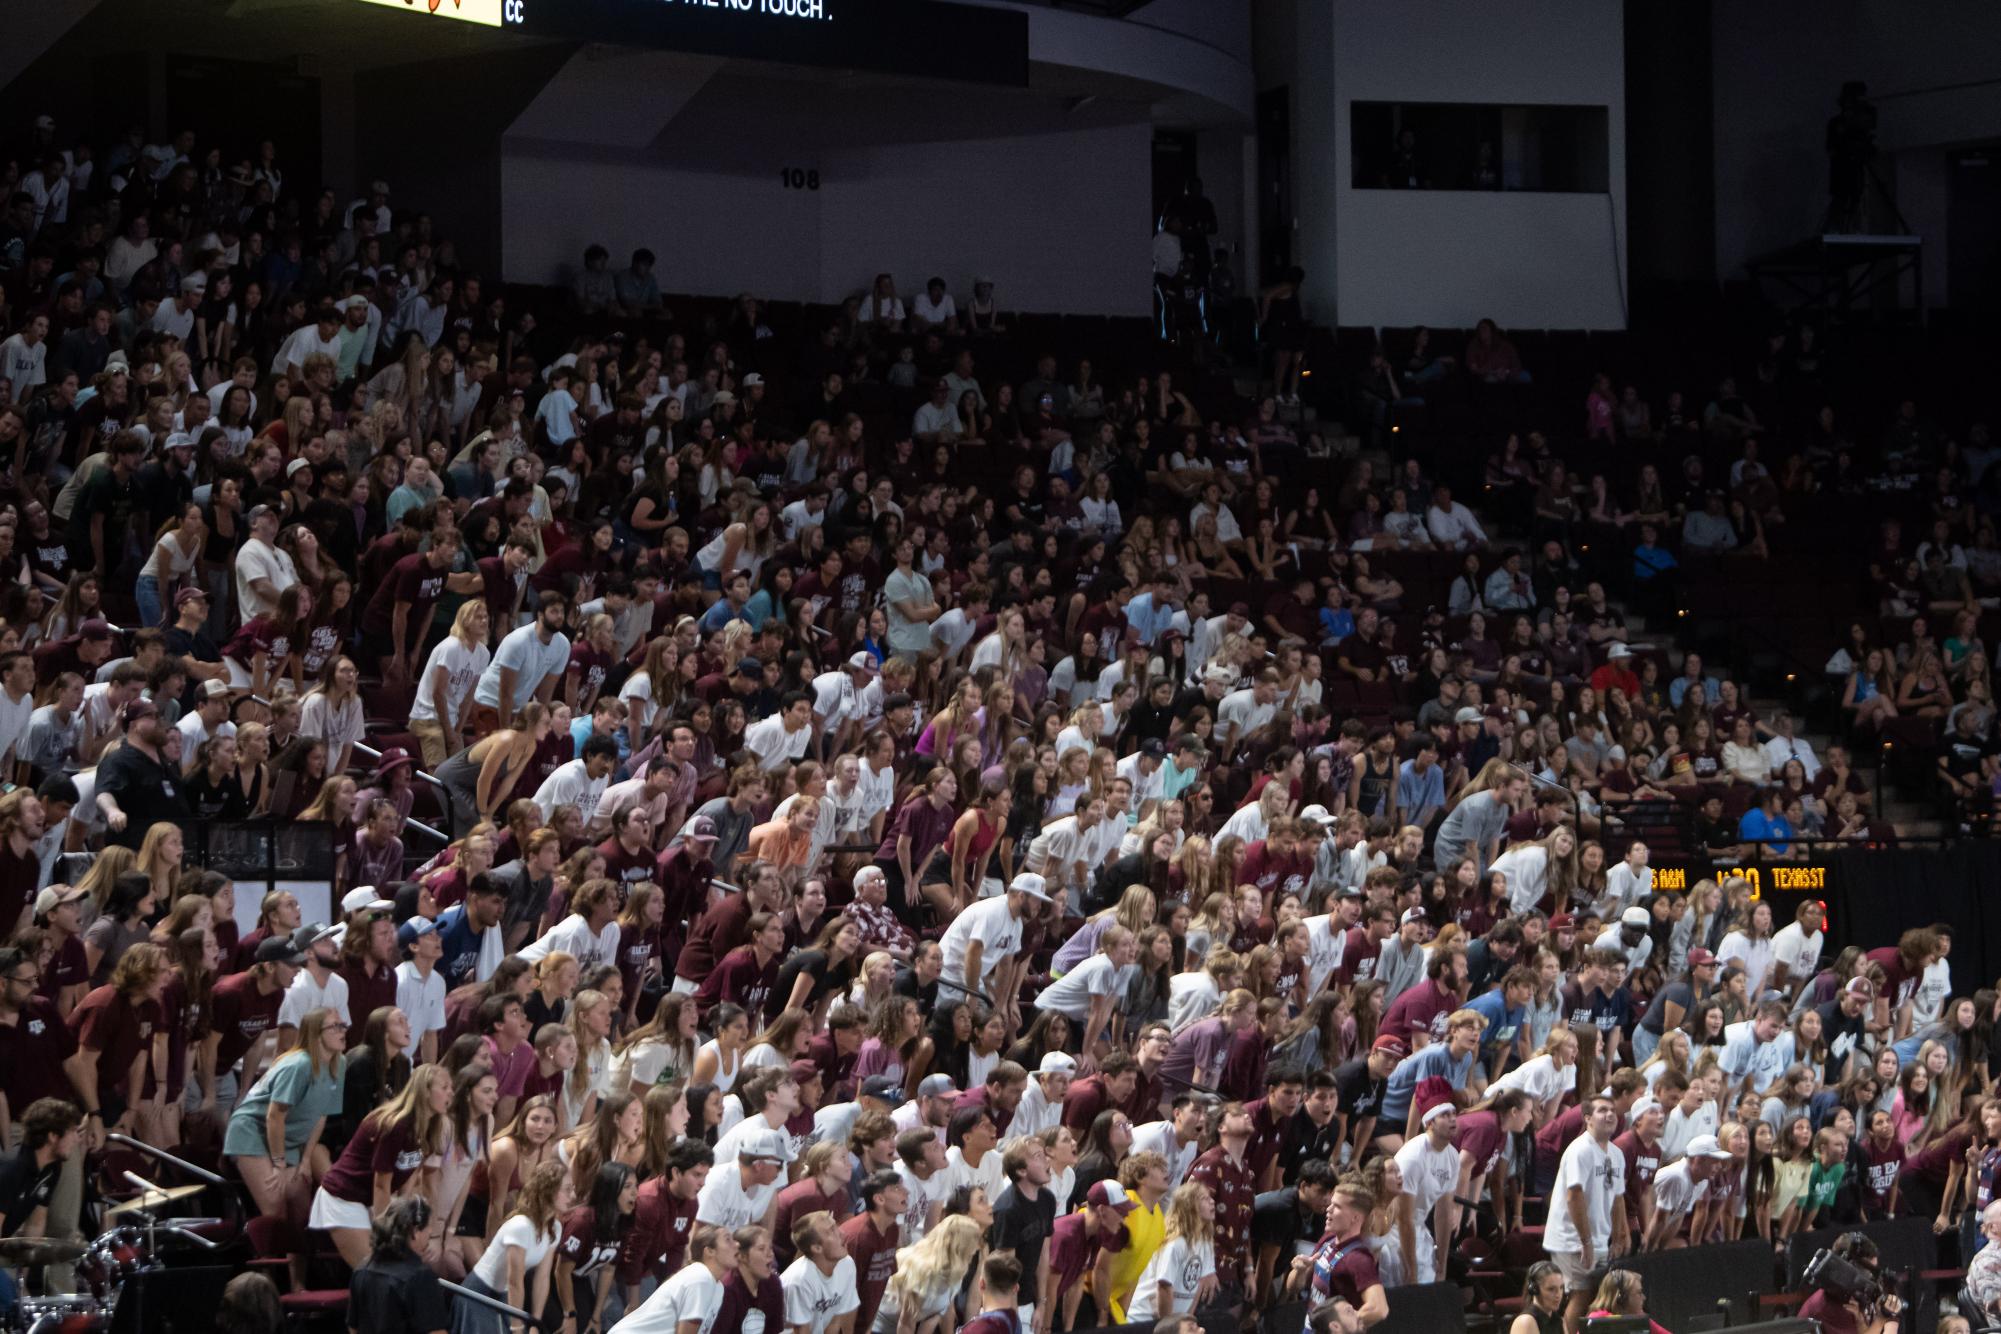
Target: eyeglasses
[29,981]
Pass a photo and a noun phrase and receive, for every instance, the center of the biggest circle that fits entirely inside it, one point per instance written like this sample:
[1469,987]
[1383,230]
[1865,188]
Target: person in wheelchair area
[1983,1276]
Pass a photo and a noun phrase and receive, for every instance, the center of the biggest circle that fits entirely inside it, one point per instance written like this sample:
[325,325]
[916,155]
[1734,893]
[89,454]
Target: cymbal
[153,1199]
[38,1250]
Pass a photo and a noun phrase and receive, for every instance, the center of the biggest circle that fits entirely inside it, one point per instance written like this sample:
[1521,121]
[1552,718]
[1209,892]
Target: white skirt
[329,1212]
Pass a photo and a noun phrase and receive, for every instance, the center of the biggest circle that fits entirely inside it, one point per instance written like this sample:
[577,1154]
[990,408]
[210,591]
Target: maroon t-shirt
[874,1254]
[579,1244]
[68,967]
[109,1023]
[1359,957]
[1267,1138]
[241,1014]
[370,1151]
[627,868]
[412,580]
[1885,1163]
[1073,1250]
[1421,1009]
[32,1052]
[795,1202]
[368,990]
[20,880]
[1898,982]
[739,979]
[1642,1161]
[658,1241]
[1481,1136]
[591,667]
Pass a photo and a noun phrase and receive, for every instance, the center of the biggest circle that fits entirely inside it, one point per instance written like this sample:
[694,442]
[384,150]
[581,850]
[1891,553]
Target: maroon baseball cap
[1563,921]
[702,827]
[1392,1044]
[140,708]
[1699,956]
[1110,1194]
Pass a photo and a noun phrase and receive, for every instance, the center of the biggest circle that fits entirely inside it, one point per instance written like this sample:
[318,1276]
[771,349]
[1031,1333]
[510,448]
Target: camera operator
[1983,1276]
[1869,1311]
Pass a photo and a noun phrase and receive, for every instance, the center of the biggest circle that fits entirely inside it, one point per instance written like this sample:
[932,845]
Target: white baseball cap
[1705,1146]
[1057,1063]
[765,1143]
[1031,884]
[1636,916]
[1317,815]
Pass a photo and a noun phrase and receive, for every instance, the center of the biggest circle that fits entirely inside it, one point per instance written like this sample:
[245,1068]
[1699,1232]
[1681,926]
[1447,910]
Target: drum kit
[129,1247]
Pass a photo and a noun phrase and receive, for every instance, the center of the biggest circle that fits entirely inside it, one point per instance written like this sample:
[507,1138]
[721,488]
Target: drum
[74,1313]
[111,1259]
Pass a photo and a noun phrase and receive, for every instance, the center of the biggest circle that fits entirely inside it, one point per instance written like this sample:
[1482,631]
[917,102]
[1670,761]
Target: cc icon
[515,11]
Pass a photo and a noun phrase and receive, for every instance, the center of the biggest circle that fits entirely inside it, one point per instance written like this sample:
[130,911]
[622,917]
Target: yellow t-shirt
[1146,1229]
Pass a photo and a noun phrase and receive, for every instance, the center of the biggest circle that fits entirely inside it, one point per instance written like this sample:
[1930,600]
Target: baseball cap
[859,662]
[305,937]
[279,949]
[257,512]
[195,282]
[1392,1044]
[936,1086]
[803,1070]
[1563,921]
[1412,915]
[406,934]
[187,595]
[357,898]
[54,896]
[1469,714]
[95,628]
[292,468]
[765,1143]
[1705,1146]
[1153,748]
[1700,957]
[752,380]
[1636,916]
[749,666]
[179,440]
[1350,892]
[214,688]
[140,708]
[1641,1108]
[1110,1194]
[1618,651]
[1057,1063]
[1858,986]
[702,827]
[1031,884]
[1317,814]
[883,1088]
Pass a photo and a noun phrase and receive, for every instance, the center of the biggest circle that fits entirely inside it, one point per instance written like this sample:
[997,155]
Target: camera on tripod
[1844,1281]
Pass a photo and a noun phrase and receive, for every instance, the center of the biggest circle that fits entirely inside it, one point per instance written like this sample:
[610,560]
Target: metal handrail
[491,1303]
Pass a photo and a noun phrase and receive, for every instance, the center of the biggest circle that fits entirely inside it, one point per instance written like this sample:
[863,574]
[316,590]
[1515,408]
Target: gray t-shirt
[906,635]
[524,653]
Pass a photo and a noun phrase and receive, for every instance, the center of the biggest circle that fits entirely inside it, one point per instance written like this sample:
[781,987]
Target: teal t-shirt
[306,1099]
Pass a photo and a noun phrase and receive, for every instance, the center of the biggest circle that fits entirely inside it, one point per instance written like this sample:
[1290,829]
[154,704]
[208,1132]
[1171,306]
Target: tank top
[1375,790]
[725,1077]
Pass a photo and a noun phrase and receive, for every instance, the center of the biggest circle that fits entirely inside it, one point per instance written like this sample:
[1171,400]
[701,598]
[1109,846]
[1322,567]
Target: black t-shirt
[906,984]
[1360,1093]
[1023,1225]
[116,500]
[144,790]
[397,1295]
[1302,1140]
[1277,1220]
[1681,993]
[24,1188]
[1842,1035]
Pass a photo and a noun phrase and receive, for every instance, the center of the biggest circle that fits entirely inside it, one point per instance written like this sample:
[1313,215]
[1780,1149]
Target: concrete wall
[1935,74]
[1450,257]
[991,185]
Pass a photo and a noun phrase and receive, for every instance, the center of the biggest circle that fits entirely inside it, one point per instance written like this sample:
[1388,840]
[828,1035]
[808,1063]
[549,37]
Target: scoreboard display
[928,38]
[1783,878]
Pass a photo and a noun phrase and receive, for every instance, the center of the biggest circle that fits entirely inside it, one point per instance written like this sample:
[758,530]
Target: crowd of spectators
[918,843]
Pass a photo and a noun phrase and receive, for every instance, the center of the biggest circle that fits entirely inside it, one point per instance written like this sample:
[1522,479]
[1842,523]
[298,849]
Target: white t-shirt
[1539,1078]
[775,747]
[692,1294]
[462,667]
[1601,1172]
[923,1195]
[1181,1265]
[524,653]
[516,1231]
[306,995]
[1428,1176]
[573,936]
[422,1001]
[303,342]
[22,366]
[952,631]
[1241,707]
[1191,997]
[260,560]
[724,1201]
[1742,1054]
[987,1174]
[1756,956]
[1932,990]
[1158,1137]
[1682,1127]
[1798,951]
[1072,993]
[835,700]
[13,722]
[1326,945]
[813,1299]
[1676,1191]
[572,785]
[989,922]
